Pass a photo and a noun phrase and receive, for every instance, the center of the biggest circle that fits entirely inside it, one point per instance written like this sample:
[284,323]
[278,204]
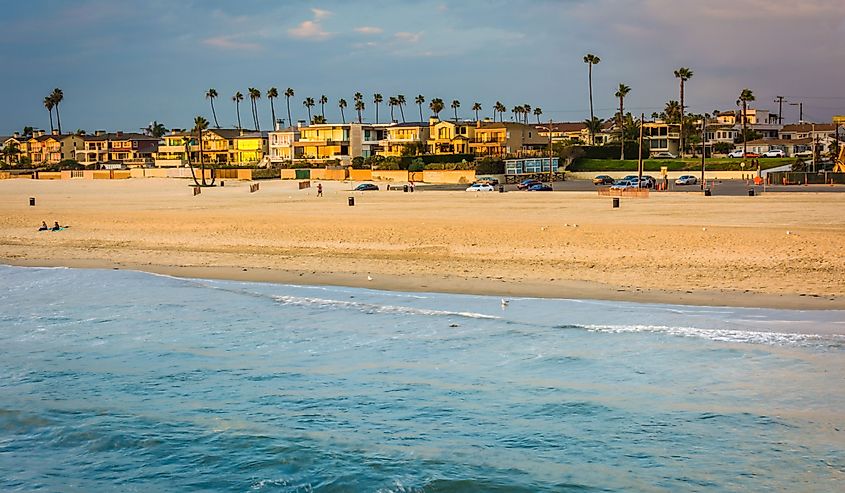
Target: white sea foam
[729,335]
[375,308]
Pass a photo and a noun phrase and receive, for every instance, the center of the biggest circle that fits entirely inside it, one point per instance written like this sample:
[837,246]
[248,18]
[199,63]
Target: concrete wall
[361,174]
[328,174]
[288,174]
[450,177]
[49,175]
[390,175]
[708,175]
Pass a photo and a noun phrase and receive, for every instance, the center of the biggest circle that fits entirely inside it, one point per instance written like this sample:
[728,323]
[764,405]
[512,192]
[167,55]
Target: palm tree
[476,107]
[672,112]
[745,97]
[11,151]
[323,100]
[593,126]
[436,106]
[48,103]
[400,101]
[391,102]
[359,107]
[237,98]
[254,96]
[526,112]
[342,104]
[57,96]
[591,60]
[156,129]
[289,94]
[455,105]
[684,74]
[377,99]
[272,94]
[537,112]
[621,92]
[200,125]
[210,95]
[501,108]
[419,100]
[308,103]
[517,111]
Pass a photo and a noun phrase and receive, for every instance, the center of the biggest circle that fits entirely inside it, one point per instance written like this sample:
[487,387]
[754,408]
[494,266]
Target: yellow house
[171,152]
[249,148]
[324,141]
[22,145]
[507,138]
[401,135]
[51,149]
[447,137]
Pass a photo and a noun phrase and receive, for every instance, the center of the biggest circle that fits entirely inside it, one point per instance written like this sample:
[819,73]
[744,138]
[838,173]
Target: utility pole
[703,135]
[800,106]
[779,101]
[551,175]
[813,141]
[640,158]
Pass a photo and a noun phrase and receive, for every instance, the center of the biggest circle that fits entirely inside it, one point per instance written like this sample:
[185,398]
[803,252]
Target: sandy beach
[669,248]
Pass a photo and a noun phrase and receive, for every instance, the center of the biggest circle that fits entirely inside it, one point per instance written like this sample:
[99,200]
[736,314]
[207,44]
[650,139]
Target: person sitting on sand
[56,226]
[44,226]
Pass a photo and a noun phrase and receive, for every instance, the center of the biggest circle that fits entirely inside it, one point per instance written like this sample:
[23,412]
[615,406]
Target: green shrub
[490,166]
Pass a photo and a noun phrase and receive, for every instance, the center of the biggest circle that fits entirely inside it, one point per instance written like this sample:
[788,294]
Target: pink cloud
[227,43]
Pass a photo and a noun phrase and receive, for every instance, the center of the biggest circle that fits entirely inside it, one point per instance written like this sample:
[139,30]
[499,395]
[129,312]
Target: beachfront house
[447,137]
[52,148]
[400,136]
[281,145]
[507,138]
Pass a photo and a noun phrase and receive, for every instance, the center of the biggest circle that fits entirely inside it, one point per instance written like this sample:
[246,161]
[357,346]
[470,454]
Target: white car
[480,187]
[735,154]
[664,155]
[621,185]
[686,180]
[774,153]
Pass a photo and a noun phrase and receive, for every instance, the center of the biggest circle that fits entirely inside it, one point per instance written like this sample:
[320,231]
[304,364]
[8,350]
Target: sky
[124,63]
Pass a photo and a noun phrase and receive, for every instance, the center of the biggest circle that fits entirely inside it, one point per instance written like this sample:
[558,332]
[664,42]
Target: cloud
[369,30]
[408,37]
[312,30]
[228,43]
[320,14]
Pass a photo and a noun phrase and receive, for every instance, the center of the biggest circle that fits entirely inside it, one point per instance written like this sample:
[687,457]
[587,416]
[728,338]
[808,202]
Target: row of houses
[342,142]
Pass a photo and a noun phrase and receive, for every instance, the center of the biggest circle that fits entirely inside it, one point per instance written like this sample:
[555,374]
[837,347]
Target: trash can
[501,189]
[32,201]
[615,202]
[706,192]
[750,192]
[351,201]
[222,183]
[405,188]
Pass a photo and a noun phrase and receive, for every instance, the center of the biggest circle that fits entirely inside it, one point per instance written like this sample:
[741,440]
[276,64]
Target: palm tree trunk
[290,122]
[342,116]
[214,113]
[238,111]
[202,162]
[681,139]
[590,79]
[51,121]
[420,105]
[402,112]
[272,114]
[58,119]
[323,110]
[309,114]
[257,120]
[744,130]
[622,127]
[376,112]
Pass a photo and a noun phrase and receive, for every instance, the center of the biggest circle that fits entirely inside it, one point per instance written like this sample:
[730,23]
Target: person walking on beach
[319,190]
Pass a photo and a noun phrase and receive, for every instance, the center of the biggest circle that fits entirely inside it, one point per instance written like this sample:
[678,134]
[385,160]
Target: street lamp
[549,130]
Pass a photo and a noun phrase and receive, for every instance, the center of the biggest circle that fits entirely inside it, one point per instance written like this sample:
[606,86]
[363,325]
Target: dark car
[365,187]
[526,184]
[540,187]
[602,180]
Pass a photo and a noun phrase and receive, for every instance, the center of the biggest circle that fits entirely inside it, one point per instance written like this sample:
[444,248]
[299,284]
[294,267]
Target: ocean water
[126,381]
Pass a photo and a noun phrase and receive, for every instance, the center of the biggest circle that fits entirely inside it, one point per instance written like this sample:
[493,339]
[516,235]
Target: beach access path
[784,250]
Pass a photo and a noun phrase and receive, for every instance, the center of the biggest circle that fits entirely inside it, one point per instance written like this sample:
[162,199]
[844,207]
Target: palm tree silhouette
[501,108]
[419,100]
[210,95]
[57,96]
[476,107]
[684,74]
[156,129]
[455,105]
[289,94]
[537,112]
[254,96]
[200,125]
[323,100]
[377,99]
[48,103]
[308,103]
[400,100]
[593,126]
[391,102]
[621,92]
[436,106]
[237,98]
[745,97]
[342,104]
[359,107]
[272,94]
[526,113]
[591,60]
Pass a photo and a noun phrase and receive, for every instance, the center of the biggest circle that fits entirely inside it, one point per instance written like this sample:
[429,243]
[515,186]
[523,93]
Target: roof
[227,133]
[808,127]
[120,136]
[252,135]
[409,124]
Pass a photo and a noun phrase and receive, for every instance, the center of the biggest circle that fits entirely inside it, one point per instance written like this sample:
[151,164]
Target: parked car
[686,180]
[738,154]
[365,187]
[631,177]
[621,185]
[644,183]
[488,180]
[807,153]
[602,180]
[774,153]
[524,184]
[664,155]
[540,187]
[480,187]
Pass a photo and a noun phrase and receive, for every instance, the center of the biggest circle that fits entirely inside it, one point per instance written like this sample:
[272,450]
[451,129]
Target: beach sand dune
[677,248]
